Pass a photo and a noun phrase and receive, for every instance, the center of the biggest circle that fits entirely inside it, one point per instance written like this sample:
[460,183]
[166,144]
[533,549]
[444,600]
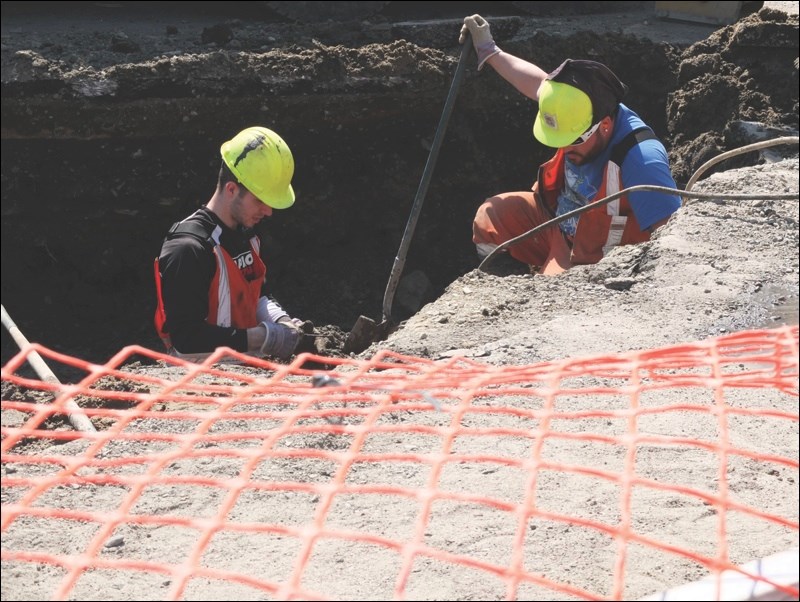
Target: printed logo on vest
[244,261]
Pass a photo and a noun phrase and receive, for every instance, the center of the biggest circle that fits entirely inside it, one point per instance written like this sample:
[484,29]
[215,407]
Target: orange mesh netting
[607,477]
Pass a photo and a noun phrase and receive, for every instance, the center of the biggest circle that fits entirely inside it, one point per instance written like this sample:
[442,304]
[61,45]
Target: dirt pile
[738,85]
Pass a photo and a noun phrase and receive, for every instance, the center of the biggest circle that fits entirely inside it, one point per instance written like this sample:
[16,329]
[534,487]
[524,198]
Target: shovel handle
[400,260]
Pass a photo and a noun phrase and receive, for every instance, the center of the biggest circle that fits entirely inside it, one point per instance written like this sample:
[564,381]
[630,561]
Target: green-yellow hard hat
[263,163]
[565,112]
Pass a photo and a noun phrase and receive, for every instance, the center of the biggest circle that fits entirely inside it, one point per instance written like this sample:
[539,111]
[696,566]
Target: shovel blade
[364,332]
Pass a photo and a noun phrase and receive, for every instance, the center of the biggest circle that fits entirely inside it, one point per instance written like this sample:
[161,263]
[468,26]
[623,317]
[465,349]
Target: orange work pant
[510,214]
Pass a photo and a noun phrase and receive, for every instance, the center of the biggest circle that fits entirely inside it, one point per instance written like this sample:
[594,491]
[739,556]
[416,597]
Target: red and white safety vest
[232,299]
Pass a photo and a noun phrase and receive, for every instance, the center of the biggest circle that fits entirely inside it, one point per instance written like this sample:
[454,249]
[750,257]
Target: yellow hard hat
[565,112]
[575,96]
[263,163]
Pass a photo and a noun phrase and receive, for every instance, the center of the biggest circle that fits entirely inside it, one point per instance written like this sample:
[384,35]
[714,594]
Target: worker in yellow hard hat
[210,277]
[602,147]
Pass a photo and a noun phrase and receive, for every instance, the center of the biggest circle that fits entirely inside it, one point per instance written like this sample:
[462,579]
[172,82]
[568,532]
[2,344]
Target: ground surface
[110,128]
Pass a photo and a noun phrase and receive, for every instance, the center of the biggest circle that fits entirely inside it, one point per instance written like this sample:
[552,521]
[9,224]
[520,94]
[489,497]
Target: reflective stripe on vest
[223,317]
[617,226]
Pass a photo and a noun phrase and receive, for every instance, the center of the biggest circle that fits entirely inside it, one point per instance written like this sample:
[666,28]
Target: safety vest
[232,299]
[601,228]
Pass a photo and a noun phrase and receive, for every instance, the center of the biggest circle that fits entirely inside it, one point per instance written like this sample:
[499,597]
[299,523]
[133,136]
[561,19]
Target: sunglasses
[586,135]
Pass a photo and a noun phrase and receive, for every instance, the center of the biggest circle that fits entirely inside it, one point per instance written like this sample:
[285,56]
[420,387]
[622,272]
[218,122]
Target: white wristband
[269,310]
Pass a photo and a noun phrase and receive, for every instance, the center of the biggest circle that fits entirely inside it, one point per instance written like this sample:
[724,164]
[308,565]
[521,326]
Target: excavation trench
[99,160]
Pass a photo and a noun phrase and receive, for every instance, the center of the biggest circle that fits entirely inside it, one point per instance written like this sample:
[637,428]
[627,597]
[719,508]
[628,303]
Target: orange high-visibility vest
[601,228]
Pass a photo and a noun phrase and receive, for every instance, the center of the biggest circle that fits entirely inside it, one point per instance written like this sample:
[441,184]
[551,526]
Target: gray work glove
[478,27]
[281,340]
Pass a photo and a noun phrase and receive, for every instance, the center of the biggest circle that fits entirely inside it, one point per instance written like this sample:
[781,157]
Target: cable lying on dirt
[736,152]
[648,188]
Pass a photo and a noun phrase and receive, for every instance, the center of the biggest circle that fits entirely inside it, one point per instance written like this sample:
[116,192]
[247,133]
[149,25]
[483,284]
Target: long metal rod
[400,260]
[77,418]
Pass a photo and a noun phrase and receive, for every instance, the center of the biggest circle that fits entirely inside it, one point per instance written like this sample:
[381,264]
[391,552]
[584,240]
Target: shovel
[366,330]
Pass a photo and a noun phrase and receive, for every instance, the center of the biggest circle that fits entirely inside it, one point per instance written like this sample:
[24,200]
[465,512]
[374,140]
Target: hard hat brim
[279,202]
[565,112]
[550,137]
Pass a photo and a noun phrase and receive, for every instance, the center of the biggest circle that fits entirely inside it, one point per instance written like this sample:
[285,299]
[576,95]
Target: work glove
[281,340]
[478,27]
[306,330]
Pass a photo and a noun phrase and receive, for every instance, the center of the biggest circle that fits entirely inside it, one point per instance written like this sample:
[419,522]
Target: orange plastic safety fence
[601,478]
